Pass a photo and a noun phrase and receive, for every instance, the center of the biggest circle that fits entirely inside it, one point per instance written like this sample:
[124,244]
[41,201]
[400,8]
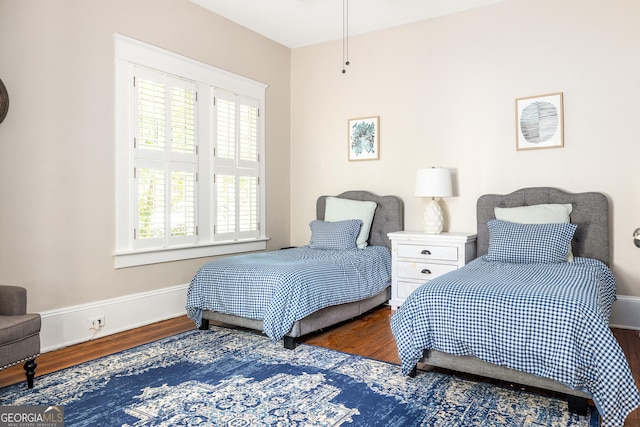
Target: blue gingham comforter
[549,320]
[281,287]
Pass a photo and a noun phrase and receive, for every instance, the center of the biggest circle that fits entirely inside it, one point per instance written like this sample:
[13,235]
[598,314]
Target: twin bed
[532,309]
[293,292]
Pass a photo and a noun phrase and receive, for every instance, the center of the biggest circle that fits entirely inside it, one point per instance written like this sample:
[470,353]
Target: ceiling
[297,23]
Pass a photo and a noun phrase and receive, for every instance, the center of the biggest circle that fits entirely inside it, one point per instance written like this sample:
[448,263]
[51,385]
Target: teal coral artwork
[364,139]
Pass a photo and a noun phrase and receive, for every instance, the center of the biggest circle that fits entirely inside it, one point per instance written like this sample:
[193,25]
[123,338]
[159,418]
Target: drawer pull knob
[425,252]
[426,271]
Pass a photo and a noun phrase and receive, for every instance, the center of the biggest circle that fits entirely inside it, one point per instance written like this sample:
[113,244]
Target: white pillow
[536,214]
[552,213]
[338,209]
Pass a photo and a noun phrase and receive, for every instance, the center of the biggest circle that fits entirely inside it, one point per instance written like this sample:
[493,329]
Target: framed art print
[539,122]
[364,139]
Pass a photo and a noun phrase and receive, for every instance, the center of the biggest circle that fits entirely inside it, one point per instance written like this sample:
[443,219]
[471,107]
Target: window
[165,162]
[188,163]
[236,167]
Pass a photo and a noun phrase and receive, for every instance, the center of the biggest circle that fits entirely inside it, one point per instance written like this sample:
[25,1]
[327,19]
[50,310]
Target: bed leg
[414,371]
[204,325]
[289,342]
[577,404]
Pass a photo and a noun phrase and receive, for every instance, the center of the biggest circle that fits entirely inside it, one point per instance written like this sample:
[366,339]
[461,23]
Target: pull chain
[345,35]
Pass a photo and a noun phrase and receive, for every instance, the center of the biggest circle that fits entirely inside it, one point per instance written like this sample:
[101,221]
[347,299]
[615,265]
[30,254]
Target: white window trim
[131,259]
[129,51]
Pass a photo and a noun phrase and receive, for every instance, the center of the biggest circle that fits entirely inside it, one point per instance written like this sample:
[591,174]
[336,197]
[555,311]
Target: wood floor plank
[99,347]
[368,336]
[630,342]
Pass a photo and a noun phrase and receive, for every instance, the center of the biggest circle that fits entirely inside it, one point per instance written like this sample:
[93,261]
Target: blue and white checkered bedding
[281,287]
[545,319]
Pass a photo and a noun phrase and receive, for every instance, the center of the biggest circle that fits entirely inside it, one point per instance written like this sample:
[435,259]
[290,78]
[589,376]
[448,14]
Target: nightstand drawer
[406,288]
[423,270]
[440,253]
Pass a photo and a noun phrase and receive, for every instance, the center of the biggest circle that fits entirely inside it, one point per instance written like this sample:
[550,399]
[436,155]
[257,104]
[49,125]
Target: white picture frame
[364,138]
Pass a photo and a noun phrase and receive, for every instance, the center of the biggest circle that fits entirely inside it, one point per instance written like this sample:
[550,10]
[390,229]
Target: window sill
[123,259]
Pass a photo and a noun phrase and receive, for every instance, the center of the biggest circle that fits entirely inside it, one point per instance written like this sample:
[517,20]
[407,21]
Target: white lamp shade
[433,182]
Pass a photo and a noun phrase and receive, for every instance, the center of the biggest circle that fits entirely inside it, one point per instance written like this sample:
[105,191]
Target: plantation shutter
[237,167]
[164,160]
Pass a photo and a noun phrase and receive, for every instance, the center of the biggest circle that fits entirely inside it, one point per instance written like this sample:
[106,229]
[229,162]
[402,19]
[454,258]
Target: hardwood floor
[79,353]
[368,336]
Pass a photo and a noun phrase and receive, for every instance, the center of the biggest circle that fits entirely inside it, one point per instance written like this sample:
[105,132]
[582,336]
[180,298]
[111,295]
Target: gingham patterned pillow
[338,235]
[529,243]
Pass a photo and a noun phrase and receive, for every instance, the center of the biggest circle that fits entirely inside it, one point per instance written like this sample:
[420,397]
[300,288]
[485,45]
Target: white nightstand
[419,257]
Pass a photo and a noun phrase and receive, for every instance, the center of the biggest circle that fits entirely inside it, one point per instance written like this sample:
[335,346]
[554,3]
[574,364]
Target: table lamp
[435,183]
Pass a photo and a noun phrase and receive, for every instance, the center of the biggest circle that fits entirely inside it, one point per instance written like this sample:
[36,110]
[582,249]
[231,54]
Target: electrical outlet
[97,323]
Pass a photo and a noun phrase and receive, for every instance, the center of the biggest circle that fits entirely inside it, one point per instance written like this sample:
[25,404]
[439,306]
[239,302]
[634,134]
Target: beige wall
[57,212]
[445,92]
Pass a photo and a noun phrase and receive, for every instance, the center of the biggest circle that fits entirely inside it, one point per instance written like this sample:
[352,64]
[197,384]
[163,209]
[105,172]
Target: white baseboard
[70,325]
[626,313]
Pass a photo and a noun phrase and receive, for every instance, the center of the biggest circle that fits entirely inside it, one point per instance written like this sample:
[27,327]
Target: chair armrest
[13,300]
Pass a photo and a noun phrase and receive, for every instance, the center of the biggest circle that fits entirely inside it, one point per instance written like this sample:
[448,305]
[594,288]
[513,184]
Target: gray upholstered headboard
[590,213]
[389,215]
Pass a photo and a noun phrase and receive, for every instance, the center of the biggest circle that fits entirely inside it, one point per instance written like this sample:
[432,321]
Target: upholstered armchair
[19,331]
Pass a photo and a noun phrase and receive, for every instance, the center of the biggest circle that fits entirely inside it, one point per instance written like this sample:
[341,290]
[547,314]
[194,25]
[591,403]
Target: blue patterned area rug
[226,377]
